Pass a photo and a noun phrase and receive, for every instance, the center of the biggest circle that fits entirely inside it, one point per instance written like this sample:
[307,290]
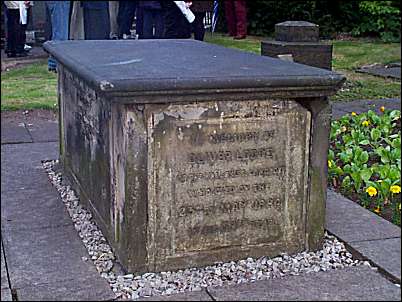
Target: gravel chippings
[333,255]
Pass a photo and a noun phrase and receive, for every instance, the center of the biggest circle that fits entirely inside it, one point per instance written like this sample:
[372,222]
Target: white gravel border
[333,255]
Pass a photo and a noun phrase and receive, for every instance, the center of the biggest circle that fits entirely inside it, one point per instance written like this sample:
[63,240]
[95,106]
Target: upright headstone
[299,39]
[187,161]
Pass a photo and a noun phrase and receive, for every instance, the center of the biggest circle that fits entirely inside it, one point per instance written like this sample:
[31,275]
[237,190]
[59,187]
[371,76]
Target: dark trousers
[139,18]
[176,24]
[96,24]
[125,16]
[236,17]
[198,26]
[15,32]
[153,19]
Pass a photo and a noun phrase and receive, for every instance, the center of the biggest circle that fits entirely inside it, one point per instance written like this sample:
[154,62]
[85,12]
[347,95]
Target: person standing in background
[176,24]
[96,20]
[153,20]
[236,18]
[15,28]
[125,17]
[200,8]
[59,12]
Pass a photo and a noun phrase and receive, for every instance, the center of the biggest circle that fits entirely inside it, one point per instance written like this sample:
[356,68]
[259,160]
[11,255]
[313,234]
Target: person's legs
[96,24]
[230,17]
[198,26]
[13,29]
[241,19]
[139,22]
[59,15]
[148,24]
[126,16]
[159,24]
[113,11]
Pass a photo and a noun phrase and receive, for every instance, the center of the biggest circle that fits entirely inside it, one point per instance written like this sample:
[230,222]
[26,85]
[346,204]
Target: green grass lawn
[33,86]
[29,87]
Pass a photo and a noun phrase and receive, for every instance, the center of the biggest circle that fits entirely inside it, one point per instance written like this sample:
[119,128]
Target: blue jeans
[59,17]
[59,12]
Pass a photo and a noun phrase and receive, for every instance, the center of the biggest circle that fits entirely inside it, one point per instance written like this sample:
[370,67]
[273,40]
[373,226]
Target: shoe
[27,47]
[239,37]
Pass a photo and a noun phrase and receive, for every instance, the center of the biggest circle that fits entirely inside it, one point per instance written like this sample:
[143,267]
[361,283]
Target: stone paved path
[42,251]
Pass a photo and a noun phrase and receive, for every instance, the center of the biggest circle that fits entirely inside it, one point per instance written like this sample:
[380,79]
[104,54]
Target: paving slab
[341,108]
[69,290]
[12,134]
[349,284]
[385,253]
[6,295]
[189,296]
[33,208]
[40,256]
[19,171]
[44,131]
[352,223]
[26,154]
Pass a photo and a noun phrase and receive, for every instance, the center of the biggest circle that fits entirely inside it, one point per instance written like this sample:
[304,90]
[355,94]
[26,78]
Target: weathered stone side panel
[128,137]
[85,151]
[321,123]
[226,180]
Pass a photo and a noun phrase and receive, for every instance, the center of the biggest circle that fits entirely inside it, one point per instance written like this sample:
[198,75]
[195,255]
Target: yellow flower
[395,189]
[353,113]
[399,207]
[365,123]
[343,129]
[377,210]
[371,191]
[382,108]
[329,164]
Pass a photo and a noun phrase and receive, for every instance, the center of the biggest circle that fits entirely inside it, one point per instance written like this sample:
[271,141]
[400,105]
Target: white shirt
[13,4]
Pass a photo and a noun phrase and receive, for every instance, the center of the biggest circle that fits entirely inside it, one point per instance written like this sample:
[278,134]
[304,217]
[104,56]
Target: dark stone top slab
[174,66]
[297,31]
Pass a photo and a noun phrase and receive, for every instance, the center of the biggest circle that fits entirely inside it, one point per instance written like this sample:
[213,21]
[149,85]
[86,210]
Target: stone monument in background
[299,39]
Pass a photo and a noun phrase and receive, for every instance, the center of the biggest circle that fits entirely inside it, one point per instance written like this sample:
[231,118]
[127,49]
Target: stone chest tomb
[190,153]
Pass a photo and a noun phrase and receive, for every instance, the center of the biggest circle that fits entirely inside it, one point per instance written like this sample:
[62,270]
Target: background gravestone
[301,40]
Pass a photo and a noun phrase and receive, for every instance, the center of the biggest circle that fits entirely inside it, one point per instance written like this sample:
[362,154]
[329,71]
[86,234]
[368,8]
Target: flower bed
[364,160]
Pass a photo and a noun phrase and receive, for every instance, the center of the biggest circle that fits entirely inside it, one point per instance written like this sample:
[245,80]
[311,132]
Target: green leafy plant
[364,161]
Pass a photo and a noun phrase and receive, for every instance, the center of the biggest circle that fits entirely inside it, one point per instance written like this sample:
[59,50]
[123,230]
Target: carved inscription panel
[230,180]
